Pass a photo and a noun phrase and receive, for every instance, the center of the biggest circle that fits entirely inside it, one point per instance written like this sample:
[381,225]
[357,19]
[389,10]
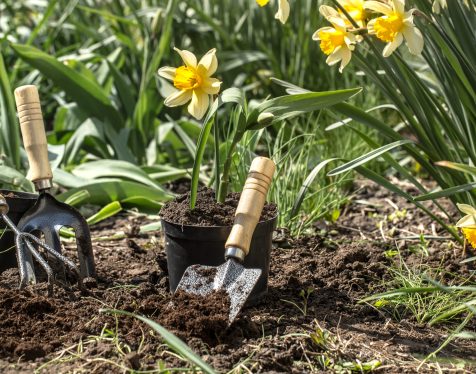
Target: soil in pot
[198,236]
[207,211]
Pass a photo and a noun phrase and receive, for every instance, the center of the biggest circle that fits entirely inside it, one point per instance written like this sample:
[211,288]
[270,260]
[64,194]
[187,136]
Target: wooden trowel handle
[34,137]
[251,204]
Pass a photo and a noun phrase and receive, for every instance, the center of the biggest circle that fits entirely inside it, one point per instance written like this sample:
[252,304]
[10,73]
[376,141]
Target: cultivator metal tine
[25,250]
[24,259]
[42,262]
[52,240]
[84,246]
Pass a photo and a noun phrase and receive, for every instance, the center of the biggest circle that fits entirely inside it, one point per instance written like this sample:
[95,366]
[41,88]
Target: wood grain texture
[33,132]
[252,200]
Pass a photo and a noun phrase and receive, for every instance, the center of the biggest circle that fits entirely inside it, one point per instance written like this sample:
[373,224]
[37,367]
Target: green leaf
[285,107]
[87,93]
[89,128]
[114,169]
[457,166]
[9,129]
[108,211]
[145,205]
[77,198]
[367,157]
[446,192]
[305,186]
[65,179]
[172,341]
[105,191]
[16,179]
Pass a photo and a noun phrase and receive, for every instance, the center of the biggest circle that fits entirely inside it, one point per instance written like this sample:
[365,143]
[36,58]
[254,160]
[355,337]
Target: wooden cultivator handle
[34,137]
[250,205]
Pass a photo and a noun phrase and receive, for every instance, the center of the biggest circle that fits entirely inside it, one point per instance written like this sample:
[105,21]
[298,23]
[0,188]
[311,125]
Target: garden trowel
[231,276]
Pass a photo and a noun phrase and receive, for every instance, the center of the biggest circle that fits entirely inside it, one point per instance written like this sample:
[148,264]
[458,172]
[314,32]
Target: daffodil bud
[265,119]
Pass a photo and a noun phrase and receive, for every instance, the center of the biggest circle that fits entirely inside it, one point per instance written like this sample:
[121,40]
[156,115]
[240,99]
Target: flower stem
[225,178]
[217,154]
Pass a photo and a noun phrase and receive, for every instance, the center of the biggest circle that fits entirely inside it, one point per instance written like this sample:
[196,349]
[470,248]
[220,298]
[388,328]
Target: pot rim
[213,227]
[20,195]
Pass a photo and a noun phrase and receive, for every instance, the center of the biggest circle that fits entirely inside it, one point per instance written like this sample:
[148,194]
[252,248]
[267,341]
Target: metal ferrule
[43,184]
[235,253]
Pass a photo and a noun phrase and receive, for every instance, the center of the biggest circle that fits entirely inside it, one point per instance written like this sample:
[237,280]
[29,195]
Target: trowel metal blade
[237,281]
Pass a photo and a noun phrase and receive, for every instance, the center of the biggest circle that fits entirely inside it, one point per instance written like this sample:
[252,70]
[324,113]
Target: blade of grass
[172,341]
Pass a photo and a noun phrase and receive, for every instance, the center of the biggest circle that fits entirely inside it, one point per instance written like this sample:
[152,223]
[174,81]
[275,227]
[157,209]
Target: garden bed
[310,316]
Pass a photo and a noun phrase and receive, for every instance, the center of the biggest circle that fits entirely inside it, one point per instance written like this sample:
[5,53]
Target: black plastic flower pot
[18,203]
[205,245]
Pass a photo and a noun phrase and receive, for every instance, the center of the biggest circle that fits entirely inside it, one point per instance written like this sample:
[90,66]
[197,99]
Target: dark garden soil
[207,212]
[311,314]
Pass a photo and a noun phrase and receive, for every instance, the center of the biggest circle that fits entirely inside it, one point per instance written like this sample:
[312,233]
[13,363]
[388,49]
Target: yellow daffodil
[335,41]
[467,224]
[395,26]
[283,9]
[193,81]
[355,9]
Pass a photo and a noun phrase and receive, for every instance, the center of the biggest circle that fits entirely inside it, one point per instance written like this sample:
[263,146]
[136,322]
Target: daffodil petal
[188,57]
[283,11]
[335,56]
[466,221]
[399,6]
[370,26]
[377,6]
[199,104]
[178,98]
[466,208]
[167,72]
[315,36]
[333,16]
[328,11]
[414,40]
[392,46]
[211,86]
[346,56]
[209,62]
[262,2]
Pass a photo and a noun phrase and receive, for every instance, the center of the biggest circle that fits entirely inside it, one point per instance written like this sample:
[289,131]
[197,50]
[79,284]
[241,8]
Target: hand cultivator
[25,248]
[48,215]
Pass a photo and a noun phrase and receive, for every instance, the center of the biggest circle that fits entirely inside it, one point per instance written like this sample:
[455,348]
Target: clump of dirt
[33,325]
[204,317]
[207,211]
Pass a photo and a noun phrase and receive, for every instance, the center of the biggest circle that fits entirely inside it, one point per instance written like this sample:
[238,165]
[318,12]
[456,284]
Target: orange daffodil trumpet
[283,9]
[394,26]
[193,82]
[335,41]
